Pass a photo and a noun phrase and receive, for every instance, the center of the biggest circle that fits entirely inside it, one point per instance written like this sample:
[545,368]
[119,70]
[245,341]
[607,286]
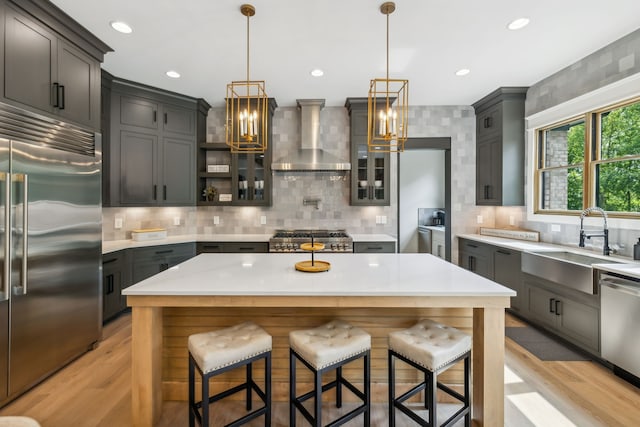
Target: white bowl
[363,183]
[378,183]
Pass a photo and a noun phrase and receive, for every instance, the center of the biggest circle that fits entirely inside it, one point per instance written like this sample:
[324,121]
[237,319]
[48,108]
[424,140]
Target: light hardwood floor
[94,391]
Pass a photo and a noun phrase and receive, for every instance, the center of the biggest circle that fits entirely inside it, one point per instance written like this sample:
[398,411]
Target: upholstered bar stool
[431,348]
[213,353]
[323,349]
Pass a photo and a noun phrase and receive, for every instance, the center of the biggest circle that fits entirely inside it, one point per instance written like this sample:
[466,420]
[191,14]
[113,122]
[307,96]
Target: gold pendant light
[388,102]
[247,107]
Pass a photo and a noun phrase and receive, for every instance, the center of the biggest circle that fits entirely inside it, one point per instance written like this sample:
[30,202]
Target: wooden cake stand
[312,266]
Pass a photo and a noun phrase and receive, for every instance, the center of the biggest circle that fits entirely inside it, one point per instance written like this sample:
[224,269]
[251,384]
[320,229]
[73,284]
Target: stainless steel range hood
[310,157]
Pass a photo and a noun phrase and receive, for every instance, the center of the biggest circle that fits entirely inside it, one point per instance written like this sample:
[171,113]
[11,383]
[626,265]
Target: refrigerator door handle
[25,232]
[6,273]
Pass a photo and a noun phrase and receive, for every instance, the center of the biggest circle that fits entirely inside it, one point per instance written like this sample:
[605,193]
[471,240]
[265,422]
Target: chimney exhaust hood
[310,157]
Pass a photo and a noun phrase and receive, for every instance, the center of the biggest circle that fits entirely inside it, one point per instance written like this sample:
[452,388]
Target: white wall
[421,186]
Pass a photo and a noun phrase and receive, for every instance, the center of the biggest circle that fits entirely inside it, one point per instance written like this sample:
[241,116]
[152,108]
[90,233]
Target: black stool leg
[249,384]
[432,397]
[367,389]
[392,393]
[192,393]
[205,400]
[467,393]
[292,389]
[339,387]
[267,388]
[317,377]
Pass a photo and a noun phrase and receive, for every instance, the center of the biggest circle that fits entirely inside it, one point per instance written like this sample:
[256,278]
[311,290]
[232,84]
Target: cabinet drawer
[240,247]
[209,247]
[374,247]
[232,247]
[475,248]
[163,252]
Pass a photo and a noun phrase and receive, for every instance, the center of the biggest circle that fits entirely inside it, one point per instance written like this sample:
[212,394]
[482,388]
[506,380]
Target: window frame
[592,147]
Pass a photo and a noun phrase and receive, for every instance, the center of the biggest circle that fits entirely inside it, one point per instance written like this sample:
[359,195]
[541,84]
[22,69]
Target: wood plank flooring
[93,391]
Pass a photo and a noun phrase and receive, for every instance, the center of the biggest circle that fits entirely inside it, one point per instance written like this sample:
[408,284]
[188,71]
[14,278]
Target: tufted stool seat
[9,421]
[215,352]
[326,348]
[432,348]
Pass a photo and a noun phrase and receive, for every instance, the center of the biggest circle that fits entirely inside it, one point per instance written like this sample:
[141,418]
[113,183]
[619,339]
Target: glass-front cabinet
[252,179]
[369,170]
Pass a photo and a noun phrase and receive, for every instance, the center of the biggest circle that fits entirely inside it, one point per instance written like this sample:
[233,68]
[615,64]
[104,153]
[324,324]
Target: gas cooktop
[290,240]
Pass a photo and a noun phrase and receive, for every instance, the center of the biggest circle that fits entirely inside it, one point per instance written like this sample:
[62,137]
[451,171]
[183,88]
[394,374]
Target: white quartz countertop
[116,245]
[353,275]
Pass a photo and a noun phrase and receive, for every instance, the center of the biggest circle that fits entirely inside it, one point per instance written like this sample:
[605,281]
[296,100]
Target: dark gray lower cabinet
[495,263]
[116,276]
[507,270]
[232,247]
[572,315]
[152,260]
[476,257]
[374,247]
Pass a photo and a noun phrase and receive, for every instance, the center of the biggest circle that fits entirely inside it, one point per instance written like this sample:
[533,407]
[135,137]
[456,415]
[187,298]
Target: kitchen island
[379,292]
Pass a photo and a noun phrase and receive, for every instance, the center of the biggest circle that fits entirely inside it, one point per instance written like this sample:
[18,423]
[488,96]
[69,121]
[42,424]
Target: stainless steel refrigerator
[50,247]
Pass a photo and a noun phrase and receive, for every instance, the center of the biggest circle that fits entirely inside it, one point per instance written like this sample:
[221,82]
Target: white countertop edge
[359,275]
[117,245]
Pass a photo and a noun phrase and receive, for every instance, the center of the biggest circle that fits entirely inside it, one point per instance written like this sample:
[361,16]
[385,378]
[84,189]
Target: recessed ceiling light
[317,72]
[173,74]
[463,72]
[517,24]
[121,27]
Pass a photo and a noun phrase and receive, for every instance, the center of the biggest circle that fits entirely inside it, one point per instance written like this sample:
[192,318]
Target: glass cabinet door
[372,173]
[251,174]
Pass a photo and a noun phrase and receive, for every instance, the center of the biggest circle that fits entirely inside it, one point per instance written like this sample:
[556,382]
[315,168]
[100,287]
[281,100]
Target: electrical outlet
[216,220]
[512,220]
[479,219]
[118,223]
[263,219]
[556,228]
[176,220]
[383,219]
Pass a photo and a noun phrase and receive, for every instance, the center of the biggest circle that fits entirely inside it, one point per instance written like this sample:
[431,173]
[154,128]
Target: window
[592,160]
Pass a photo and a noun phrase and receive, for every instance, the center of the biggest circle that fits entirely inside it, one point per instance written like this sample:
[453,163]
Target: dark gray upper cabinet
[370,171]
[500,147]
[51,65]
[150,152]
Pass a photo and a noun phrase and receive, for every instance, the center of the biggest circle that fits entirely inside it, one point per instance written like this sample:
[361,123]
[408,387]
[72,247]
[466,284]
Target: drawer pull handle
[168,251]
[109,261]
[500,251]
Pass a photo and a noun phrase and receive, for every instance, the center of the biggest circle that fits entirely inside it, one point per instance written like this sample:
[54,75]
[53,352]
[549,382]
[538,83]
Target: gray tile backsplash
[332,188]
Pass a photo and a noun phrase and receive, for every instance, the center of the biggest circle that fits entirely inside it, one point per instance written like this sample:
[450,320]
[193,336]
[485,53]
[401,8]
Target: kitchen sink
[566,268]
[575,258]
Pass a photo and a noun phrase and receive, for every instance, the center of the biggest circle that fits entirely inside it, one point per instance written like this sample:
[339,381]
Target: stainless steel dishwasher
[424,240]
[620,322]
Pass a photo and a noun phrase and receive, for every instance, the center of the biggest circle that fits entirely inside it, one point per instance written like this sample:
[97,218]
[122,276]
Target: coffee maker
[438,218]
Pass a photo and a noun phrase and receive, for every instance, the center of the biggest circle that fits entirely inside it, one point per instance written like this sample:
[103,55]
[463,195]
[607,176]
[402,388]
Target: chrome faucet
[605,231]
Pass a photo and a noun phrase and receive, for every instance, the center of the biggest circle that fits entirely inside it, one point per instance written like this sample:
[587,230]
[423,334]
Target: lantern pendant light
[387,106]
[247,107]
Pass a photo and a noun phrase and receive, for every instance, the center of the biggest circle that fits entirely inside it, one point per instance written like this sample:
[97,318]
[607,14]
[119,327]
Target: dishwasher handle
[621,285]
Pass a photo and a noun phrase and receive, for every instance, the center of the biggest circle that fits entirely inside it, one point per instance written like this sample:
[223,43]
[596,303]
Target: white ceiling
[205,40]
